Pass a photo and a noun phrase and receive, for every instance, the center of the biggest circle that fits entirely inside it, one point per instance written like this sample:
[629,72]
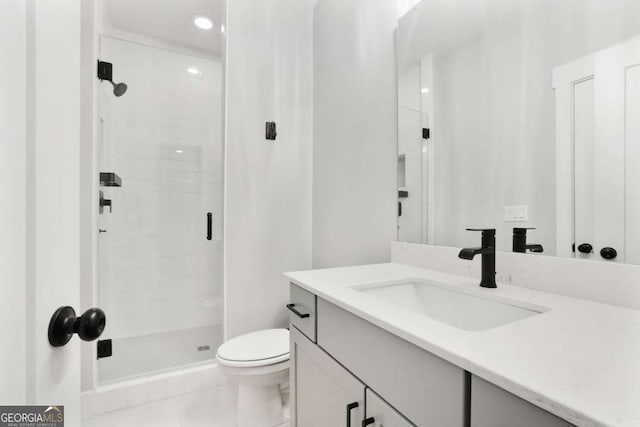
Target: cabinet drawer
[302,311]
[424,388]
[382,414]
[492,406]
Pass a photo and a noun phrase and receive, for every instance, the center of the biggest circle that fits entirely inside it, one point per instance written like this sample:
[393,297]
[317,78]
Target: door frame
[565,78]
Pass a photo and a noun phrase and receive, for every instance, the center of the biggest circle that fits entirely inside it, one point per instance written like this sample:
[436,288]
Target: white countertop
[580,360]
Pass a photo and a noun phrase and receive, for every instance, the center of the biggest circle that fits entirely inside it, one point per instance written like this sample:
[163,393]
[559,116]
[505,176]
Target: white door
[598,154]
[39,199]
[12,200]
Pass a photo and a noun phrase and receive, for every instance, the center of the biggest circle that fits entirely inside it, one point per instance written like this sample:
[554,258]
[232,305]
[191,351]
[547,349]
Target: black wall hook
[64,324]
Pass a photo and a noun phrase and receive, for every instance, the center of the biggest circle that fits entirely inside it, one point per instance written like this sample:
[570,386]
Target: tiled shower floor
[141,355]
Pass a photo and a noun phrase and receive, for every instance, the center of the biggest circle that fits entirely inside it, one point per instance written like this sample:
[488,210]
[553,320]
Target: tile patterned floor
[212,408]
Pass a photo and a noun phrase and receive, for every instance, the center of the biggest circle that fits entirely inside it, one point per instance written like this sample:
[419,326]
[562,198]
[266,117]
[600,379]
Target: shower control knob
[608,253]
[585,248]
[64,324]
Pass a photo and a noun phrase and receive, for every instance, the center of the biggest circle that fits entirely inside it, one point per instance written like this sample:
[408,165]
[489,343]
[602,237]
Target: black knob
[64,324]
[585,248]
[91,324]
[608,253]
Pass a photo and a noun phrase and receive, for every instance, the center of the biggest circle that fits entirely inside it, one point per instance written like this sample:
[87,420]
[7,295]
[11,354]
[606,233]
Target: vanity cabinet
[492,406]
[340,358]
[426,389]
[323,392]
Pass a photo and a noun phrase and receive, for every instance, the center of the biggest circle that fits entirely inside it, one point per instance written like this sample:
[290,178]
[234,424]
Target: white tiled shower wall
[157,271]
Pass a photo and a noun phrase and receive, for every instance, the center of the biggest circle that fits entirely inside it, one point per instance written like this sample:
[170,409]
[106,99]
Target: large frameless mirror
[519,114]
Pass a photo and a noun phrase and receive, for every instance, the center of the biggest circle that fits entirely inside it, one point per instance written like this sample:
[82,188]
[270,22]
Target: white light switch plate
[518,213]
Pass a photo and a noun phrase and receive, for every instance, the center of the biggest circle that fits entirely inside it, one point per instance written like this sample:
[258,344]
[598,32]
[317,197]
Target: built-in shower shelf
[110,179]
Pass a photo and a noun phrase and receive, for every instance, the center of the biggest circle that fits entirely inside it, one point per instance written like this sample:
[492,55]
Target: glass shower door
[159,275]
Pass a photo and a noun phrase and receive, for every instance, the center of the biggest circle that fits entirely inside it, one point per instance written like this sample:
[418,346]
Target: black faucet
[520,241]
[488,251]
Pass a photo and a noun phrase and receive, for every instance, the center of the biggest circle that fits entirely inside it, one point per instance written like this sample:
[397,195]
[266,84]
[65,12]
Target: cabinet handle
[368,421]
[351,407]
[291,308]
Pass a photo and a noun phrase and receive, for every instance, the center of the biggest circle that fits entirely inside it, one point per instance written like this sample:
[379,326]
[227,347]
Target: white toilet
[258,362]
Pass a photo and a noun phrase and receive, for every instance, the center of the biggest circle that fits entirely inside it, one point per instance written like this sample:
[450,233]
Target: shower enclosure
[160,215]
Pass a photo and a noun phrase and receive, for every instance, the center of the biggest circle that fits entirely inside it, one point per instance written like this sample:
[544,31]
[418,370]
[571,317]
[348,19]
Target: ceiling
[169,20]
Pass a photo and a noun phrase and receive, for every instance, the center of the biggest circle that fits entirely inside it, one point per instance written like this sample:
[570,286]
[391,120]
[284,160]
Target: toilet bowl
[258,362]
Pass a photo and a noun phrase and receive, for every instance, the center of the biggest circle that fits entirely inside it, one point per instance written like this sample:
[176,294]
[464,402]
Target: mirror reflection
[522,116]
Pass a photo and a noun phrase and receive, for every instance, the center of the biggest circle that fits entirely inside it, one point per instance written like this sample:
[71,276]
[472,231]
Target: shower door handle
[209,225]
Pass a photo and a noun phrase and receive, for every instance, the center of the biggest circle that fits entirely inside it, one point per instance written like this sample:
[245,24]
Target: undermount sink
[464,309]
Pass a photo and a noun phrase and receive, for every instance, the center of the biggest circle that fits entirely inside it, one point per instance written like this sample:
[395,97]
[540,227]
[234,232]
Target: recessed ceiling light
[203,22]
[194,70]
[425,90]
[179,151]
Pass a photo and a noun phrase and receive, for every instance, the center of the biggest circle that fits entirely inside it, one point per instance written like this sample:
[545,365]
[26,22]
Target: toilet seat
[255,349]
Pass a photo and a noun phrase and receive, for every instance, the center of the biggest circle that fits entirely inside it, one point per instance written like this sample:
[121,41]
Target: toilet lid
[261,347]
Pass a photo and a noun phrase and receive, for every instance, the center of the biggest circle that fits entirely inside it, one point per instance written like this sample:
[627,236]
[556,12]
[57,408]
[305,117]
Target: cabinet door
[492,406]
[323,393]
[380,414]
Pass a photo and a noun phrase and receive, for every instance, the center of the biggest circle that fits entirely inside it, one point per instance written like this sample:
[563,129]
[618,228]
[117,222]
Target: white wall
[405,6]
[12,202]
[355,132]
[268,184]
